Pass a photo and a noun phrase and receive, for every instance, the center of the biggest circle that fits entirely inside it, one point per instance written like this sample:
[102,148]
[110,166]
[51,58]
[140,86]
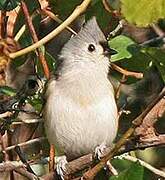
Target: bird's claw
[61,166]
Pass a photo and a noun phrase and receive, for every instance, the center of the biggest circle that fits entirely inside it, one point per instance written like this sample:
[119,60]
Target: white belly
[76,129]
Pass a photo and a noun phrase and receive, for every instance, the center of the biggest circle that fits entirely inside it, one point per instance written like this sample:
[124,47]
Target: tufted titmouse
[80,111]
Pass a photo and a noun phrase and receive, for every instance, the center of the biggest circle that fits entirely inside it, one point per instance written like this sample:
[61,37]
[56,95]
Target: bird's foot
[100,151]
[61,166]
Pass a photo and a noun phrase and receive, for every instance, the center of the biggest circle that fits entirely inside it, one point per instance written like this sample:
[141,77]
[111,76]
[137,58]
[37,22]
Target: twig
[117,94]
[10,165]
[17,166]
[2,25]
[28,121]
[23,28]
[36,140]
[78,10]
[109,9]
[6,114]
[51,160]
[107,6]
[159,32]
[23,159]
[127,73]
[151,41]
[117,29]
[35,39]
[54,17]
[146,165]
[112,169]
[90,174]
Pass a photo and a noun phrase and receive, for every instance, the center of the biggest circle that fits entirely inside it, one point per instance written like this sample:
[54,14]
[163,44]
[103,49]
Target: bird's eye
[91,47]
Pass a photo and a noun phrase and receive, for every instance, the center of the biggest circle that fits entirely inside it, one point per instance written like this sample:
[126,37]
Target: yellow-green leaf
[143,12]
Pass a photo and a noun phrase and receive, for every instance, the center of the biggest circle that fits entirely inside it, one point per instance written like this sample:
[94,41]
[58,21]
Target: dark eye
[91,47]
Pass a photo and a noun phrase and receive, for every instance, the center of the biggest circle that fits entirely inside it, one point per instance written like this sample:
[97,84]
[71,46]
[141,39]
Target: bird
[80,112]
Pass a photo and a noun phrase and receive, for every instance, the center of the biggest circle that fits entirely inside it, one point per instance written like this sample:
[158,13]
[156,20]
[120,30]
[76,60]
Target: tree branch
[78,10]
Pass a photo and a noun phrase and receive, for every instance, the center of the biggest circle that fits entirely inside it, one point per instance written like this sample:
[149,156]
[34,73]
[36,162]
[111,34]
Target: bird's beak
[109,52]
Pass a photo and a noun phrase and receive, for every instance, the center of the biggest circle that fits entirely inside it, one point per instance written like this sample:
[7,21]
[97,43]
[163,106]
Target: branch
[78,10]
[146,130]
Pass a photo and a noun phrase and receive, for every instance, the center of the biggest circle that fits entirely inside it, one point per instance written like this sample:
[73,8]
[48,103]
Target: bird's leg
[100,151]
[61,166]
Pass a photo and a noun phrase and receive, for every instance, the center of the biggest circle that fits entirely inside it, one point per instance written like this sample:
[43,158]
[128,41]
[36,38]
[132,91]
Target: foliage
[135,172]
[143,12]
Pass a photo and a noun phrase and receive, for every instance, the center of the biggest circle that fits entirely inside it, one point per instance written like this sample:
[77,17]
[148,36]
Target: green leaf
[122,45]
[158,57]
[36,101]
[143,12]
[7,5]
[5,90]
[51,61]
[134,172]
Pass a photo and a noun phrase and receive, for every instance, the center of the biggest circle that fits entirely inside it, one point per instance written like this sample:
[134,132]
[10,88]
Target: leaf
[158,57]
[134,172]
[51,61]
[7,5]
[5,90]
[36,101]
[143,12]
[122,45]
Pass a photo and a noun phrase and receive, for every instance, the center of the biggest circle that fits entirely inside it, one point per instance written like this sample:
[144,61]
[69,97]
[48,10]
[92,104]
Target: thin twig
[112,169]
[158,31]
[2,25]
[151,41]
[109,9]
[51,159]
[23,159]
[127,73]
[23,28]
[36,140]
[146,165]
[55,18]
[78,10]
[28,121]
[35,39]
[117,29]
[6,114]
[10,165]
